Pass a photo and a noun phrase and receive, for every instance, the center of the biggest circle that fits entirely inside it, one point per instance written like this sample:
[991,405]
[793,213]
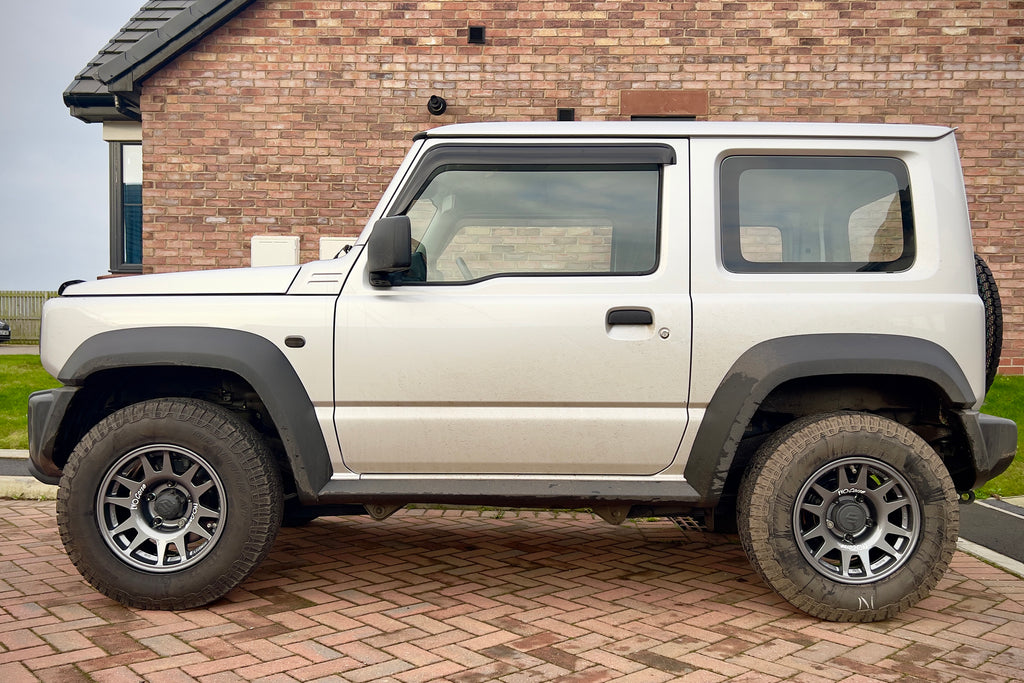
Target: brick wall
[291,117]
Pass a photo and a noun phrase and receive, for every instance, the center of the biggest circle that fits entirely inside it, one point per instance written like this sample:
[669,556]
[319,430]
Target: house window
[125,207]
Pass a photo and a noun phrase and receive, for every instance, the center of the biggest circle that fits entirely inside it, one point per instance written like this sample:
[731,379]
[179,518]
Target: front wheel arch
[252,358]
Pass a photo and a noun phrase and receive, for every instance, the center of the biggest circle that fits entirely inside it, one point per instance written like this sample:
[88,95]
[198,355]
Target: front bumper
[46,410]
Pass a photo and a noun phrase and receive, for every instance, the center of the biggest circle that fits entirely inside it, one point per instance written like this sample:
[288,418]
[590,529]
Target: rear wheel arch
[924,377]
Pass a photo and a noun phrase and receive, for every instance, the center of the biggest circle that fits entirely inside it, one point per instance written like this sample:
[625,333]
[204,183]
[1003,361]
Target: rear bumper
[46,410]
[994,444]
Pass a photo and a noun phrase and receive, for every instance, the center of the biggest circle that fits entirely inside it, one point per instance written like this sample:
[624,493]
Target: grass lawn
[19,377]
[1006,399]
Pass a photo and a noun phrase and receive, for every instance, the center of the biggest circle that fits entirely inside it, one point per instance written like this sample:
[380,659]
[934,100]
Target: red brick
[667,625]
[291,117]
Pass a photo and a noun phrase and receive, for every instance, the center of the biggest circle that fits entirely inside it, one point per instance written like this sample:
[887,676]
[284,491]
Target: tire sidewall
[794,577]
[151,424]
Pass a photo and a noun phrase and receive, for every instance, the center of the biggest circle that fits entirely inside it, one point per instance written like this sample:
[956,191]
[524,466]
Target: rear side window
[806,214]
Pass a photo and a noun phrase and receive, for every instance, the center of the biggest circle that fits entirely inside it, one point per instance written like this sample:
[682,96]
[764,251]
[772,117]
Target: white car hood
[269,280]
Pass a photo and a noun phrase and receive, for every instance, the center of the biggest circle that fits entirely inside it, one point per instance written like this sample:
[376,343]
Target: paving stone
[473,596]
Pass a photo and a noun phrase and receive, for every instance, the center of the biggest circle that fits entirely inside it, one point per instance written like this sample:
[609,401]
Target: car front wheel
[169,503]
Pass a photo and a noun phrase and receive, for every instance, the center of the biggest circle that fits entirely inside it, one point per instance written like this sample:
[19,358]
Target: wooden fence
[22,311]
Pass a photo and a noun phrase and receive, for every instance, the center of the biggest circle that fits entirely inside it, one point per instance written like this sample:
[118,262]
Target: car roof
[686,129]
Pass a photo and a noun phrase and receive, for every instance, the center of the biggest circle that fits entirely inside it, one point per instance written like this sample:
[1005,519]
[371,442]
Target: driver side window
[470,224]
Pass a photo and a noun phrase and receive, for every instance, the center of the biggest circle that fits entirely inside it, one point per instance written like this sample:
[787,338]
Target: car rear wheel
[849,516]
[169,504]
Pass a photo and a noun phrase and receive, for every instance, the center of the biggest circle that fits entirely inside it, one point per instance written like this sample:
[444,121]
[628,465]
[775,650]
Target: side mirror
[389,249]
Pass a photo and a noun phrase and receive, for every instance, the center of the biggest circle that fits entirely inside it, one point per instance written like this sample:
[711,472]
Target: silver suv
[779,328]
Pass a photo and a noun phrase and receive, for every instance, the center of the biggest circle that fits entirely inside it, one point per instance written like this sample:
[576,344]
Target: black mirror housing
[389,249]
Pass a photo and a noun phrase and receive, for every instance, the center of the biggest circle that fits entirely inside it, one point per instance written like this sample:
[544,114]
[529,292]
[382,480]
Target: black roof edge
[72,99]
[96,107]
[100,108]
[124,73]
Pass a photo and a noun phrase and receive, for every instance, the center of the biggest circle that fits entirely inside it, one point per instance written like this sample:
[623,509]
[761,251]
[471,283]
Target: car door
[543,327]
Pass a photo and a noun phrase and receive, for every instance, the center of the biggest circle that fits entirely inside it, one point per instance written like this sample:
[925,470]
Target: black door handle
[630,316]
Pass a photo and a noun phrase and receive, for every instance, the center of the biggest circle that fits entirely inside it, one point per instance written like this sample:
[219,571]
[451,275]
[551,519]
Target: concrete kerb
[23,487]
[19,350]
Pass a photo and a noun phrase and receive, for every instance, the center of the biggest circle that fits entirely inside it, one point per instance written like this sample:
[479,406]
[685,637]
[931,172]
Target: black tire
[989,293]
[848,516]
[169,504]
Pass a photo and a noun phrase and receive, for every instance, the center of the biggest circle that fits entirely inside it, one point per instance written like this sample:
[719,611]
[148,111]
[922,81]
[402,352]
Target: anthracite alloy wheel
[856,520]
[161,508]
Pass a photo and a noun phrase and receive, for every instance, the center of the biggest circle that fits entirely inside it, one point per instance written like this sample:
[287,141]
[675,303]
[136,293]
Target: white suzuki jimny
[779,328]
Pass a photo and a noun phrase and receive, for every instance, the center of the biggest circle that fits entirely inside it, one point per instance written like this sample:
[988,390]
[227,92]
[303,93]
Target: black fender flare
[253,358]
[771,363]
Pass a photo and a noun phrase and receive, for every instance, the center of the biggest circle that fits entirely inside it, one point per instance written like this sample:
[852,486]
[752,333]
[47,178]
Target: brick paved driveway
[469,596]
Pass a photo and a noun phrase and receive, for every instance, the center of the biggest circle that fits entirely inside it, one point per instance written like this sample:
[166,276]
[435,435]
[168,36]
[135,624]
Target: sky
[54,205]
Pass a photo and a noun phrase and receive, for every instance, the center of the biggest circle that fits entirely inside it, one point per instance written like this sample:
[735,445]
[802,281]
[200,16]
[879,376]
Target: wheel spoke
[190,473]
[816,509]
[204,512]
[199,530]
[147,468]
[139,539]
[890,529]
[120,501]
[827,547]
[817,531]
[161,551]
[824,493]
[180,547]
[860,479]
[203,488]
[884,546]
[129,484]
[126,525]
[882,491]
[847,558]
[865,561]
[890,507]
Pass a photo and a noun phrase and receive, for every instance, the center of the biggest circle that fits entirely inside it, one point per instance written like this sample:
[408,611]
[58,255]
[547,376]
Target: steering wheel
[467,274]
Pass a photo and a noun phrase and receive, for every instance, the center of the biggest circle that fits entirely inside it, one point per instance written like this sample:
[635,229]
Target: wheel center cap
[850,517]
[170,505]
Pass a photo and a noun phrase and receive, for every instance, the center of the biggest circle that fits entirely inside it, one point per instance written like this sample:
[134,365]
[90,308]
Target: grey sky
[53,182]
